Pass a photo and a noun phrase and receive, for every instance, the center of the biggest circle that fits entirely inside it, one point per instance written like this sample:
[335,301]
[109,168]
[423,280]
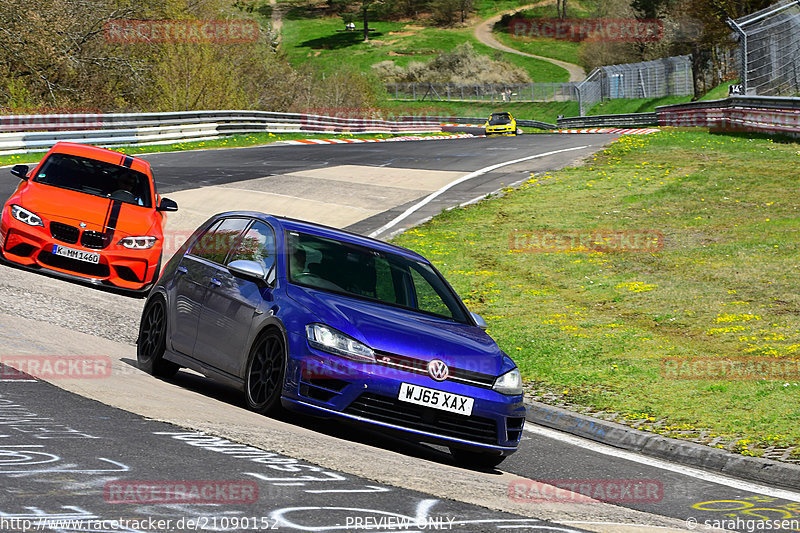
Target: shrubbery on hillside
[463,66]
[59,57]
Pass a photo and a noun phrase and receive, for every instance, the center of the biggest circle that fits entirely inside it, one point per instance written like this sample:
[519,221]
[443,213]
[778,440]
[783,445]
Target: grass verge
[635,105]
[594,329]
[552,48]
[322,40]
[544,111]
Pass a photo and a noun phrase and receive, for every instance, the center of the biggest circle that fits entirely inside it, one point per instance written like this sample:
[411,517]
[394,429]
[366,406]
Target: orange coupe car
[89,214]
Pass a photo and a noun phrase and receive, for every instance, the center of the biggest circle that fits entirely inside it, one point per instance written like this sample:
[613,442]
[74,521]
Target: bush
[462,66]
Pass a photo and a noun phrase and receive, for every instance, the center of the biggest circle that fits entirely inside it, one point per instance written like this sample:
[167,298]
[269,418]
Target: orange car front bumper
[33,246]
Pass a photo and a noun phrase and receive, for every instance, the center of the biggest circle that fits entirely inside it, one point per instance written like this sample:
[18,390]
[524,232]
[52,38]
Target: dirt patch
[402,33]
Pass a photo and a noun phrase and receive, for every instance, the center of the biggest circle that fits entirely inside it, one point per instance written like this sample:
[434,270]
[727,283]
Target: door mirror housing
[479,321]
[167,205]
[20,171]
[249,270]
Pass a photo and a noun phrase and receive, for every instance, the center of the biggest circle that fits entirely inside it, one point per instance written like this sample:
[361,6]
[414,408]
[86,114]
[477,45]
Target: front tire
[266,367]
[483,461]
[152,341]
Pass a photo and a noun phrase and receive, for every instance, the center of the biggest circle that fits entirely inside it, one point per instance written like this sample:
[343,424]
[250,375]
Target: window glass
[97,178]
[257,244]
[371,274]
[428,299]
[498,119]
[215,243]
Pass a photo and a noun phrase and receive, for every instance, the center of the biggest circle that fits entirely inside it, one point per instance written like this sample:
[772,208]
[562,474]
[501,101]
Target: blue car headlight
[509,383]
[330,340]
[26,217]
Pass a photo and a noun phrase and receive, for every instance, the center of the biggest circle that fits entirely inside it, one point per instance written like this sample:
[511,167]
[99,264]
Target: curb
[668,449]
[390,139]
[620,131]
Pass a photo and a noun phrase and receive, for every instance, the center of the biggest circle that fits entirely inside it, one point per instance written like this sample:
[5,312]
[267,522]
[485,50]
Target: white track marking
[664,465]
[462,179]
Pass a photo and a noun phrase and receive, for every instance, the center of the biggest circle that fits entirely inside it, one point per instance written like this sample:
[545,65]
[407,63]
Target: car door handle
[182,270]
[215,282]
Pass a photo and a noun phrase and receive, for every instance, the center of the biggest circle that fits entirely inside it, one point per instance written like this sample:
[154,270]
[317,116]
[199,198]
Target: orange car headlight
[138,243]
[26,217]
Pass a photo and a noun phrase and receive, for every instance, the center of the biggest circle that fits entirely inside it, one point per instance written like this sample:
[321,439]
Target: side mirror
[479,321]
[167,205]
[249,270]
[20,171]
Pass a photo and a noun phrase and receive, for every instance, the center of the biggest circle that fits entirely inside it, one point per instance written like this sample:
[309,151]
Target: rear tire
[483,461]
[266,367]
[152,341]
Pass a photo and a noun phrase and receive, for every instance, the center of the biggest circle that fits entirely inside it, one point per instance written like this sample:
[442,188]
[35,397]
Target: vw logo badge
[83,224]
[438,370]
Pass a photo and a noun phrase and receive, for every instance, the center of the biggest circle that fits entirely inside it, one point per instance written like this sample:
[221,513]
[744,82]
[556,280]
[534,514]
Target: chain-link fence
[671,76]
[651,79]
[769,43]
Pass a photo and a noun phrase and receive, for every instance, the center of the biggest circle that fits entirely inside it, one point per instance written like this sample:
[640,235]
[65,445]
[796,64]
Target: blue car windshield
[95,177]
[370,274]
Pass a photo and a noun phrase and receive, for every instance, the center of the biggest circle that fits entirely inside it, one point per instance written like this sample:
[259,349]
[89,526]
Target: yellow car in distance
[501,124]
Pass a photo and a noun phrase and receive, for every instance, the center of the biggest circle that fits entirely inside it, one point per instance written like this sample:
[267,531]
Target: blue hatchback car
[333,324]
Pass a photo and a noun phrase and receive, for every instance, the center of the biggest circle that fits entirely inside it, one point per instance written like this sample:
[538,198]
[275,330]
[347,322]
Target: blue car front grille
[418,366]
[395,412]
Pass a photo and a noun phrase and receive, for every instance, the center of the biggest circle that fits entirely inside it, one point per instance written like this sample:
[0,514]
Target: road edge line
[613,434]
[425,201]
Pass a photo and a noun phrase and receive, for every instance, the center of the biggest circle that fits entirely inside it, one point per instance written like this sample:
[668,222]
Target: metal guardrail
[25,133]
[522,123]
[32,133]
[766,114]
[536,124]
[598,121]
[758,114]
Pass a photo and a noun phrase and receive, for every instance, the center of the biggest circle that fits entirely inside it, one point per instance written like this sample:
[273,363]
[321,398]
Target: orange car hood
[72,207]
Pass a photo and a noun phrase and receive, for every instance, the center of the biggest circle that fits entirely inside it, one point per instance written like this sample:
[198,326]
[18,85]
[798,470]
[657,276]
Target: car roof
[101,154]
[321,230]
[506,113]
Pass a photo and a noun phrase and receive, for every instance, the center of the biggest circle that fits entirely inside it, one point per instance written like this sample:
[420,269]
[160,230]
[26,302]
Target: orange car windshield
[94,177]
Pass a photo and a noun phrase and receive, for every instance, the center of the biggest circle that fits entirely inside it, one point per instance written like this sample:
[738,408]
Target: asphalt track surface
[62,459]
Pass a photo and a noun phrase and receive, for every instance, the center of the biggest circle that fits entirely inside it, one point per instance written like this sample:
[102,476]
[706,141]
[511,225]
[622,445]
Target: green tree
[708,45]
[364,9]
[561,8]
[448,12]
